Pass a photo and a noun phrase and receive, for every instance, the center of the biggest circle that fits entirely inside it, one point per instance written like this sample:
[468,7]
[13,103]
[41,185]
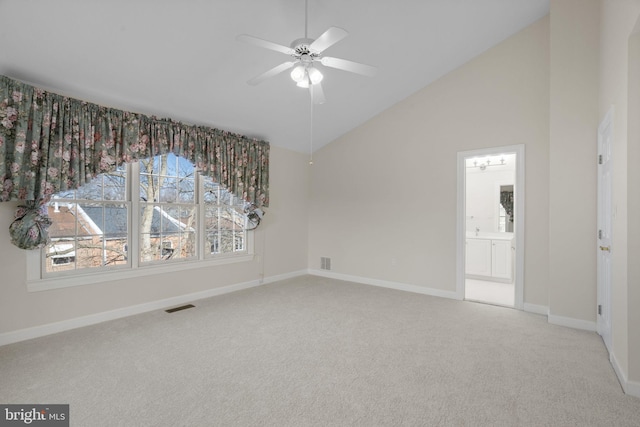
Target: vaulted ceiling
[181,59]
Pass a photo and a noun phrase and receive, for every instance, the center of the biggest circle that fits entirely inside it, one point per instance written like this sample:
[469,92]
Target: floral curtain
[506,200]
[50,143]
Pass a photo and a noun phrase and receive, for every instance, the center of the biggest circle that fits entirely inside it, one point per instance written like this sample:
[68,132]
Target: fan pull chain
[311,126]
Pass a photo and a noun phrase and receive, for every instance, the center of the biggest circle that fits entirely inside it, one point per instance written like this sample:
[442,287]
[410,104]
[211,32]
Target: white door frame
[519,195]
[604,316]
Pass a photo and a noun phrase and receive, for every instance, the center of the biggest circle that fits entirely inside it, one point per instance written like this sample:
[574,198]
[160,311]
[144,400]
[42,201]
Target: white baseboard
[279,277]
[532,308]
[92,319]
[572,323]
[632,388]
[536,309]
[386,284]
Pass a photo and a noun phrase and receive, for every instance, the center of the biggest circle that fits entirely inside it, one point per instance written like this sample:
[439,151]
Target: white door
[605,219]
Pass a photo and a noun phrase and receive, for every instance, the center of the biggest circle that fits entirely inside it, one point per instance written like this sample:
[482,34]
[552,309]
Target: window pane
[231,219]
[188,245]
[224,220]
[145,182]
[168,189]
[167,231]
[231,232]
[238,243]
[185,168]
[89,234]
[110,186]
[225,197]
[149,247]
[60,256]
[150,232]
[183,218]
[115,186]
[98,251]
[115,250]
[226,241]
[186,190]
[211,227]
[103,218]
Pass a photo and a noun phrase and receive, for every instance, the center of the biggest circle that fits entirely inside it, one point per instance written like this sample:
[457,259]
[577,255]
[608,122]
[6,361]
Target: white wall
[619,68]
[572,189]
[281,246]
[386,191]
[633,203]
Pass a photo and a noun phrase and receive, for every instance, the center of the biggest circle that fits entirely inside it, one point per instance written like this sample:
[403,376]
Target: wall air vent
[325,263]
[182,307]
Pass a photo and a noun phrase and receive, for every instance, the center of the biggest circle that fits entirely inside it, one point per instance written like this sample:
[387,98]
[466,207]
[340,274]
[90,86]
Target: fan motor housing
[301,47]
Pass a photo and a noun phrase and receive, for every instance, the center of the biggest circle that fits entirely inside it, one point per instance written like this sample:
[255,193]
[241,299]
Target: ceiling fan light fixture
[299,74]
[305,83]
[315,76]
[306,52]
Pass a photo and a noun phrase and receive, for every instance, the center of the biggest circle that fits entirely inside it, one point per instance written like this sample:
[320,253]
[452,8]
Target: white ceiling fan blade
[317,94]
[265,43]
[272,72]
[354,67]
[330,37]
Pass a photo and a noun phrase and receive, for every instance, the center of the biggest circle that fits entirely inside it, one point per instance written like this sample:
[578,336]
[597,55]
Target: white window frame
[37,280]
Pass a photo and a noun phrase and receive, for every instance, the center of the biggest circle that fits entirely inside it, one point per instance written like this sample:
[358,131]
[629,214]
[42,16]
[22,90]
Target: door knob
[605,248]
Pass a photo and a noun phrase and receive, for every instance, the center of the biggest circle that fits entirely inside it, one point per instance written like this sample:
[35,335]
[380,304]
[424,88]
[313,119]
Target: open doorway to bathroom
[490,225]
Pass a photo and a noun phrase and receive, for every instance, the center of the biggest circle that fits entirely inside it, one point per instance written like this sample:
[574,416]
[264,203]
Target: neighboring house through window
[176,215]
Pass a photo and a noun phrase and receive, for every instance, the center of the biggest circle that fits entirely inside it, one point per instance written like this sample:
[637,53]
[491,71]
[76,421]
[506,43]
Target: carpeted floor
[318,352]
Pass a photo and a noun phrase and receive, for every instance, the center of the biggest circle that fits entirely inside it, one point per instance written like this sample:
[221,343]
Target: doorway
[490,226]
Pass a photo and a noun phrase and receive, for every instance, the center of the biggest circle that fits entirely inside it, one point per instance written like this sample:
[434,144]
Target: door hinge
[599,234]
[599,159]
[599,309]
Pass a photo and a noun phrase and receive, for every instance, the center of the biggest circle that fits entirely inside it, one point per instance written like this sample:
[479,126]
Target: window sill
[36,285]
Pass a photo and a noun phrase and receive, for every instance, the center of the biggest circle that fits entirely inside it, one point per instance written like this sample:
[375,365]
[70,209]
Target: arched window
[154,212]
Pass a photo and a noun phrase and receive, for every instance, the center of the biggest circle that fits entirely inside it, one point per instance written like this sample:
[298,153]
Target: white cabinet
[501,259]
[489,258]
[478,259]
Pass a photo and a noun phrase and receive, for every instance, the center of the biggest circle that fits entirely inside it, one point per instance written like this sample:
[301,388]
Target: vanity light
[484,164]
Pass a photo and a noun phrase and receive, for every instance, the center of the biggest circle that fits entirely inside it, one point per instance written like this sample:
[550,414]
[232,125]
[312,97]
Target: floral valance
[506,200]
[50,143]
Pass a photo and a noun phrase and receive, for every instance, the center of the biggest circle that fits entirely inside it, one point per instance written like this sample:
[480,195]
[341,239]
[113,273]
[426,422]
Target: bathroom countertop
[487,235]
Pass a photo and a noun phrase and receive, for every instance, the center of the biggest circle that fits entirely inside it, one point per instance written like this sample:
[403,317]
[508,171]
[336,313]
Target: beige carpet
[319,352]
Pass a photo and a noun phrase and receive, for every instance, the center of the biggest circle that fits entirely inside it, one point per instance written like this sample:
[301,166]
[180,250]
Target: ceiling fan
[306,53]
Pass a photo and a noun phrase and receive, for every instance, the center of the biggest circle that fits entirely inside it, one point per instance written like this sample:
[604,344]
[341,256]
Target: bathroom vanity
[489,256]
